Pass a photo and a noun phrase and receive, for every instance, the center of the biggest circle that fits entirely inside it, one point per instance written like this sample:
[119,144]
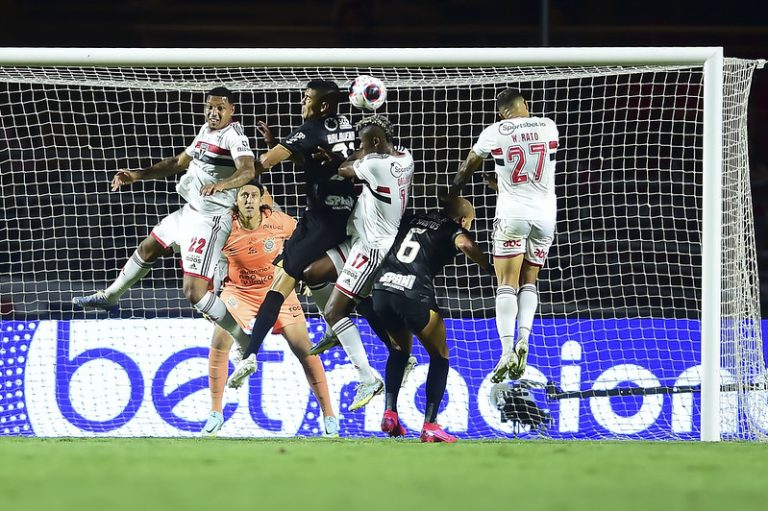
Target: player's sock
[437,377]
[396,363]
[365,308]
[218,361]
[134,270]
[527,302]
[313,370]
[349,337]
[265,320]
[321,293]
[212,306]
[506,314]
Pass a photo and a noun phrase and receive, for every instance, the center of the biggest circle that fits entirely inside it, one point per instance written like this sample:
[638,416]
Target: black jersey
[324,187]
[425,243]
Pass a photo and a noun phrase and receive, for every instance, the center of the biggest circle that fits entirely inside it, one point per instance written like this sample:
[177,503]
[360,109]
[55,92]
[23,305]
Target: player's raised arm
[467,168]
[466,244]
[163,168]
[245,171]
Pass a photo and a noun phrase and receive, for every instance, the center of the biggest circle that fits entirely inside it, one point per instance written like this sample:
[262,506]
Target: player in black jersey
[404,297]
[329,201]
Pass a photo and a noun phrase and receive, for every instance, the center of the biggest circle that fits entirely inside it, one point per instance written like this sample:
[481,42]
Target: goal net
[616,345]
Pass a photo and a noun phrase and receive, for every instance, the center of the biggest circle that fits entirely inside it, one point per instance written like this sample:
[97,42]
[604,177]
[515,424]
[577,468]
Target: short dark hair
[380,122]
[256,183]
[507,97]
[328,90]
[222,92]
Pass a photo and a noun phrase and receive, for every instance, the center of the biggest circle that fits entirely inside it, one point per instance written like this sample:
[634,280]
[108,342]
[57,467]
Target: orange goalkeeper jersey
[250,252]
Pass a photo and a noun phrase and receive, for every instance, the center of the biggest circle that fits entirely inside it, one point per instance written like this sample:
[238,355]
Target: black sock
[265,320]
[365,309]
[437,377]
[396,363]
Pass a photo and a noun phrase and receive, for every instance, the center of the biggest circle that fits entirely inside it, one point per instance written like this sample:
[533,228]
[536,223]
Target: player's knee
[193,293]
[333,314]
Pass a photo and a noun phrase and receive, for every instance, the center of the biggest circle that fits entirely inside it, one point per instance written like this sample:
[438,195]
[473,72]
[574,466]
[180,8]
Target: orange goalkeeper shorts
[244,307]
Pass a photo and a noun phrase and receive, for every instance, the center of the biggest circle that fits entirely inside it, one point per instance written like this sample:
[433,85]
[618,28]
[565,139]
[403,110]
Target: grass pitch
[376,474]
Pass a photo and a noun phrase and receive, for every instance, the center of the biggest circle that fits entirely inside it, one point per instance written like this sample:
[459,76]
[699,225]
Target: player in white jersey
[386,172]
[523,148]
[217,163]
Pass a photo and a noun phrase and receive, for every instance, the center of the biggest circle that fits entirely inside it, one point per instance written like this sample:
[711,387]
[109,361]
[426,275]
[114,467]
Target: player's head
[461,210]
[321,97]
[249,199]
[511,103]
[219,107]
[376,134]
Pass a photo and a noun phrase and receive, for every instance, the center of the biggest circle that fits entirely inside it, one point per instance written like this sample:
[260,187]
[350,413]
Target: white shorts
[198,238]
[339,254]
[515,236]
[360,267]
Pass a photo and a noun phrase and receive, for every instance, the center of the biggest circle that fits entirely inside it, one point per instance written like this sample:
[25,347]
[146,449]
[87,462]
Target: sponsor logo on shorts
[397,280]
[512,244]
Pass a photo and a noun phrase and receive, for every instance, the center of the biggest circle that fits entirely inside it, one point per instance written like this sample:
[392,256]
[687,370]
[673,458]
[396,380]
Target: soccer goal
[649,320]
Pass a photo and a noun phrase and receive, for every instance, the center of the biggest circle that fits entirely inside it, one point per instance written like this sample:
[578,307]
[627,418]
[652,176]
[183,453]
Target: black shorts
[316,233]
[398,312]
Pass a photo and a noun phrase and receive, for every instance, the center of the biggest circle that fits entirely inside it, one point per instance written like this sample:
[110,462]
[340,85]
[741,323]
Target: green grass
[375,474]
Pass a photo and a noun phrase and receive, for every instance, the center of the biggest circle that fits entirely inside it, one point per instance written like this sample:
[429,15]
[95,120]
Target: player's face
[311,105]
[218,112]
[248,201]
[466,221]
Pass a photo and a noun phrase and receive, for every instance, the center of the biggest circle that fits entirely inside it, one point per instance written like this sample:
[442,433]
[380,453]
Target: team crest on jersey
[331,124]
[507,128]
[269,244]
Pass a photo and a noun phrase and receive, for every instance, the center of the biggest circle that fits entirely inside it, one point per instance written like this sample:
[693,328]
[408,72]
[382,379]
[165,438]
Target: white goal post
[496,67]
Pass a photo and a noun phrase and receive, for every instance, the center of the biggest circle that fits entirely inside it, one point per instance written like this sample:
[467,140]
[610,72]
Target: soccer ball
[367,92]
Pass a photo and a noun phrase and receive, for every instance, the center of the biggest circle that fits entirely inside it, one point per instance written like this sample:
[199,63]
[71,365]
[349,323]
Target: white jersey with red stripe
[377,213]
[524,150]
[213,155]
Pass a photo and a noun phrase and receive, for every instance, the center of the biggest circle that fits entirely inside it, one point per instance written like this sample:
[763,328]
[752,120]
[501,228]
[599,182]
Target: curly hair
[379,121]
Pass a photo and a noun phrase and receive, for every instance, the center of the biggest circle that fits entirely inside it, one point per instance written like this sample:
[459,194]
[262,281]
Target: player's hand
[326,157]
[490,182]
[209,190]
[124,177]
[266,134]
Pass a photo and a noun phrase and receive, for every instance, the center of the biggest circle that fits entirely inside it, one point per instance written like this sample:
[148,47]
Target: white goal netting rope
[615,351]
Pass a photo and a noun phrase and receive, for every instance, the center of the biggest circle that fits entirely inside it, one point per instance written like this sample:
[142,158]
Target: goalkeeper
[404,297]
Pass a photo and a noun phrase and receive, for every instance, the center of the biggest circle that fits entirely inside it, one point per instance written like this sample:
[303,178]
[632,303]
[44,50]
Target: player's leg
[218,362]
[539,242]
[298,340]
[320,276]
[354,283]
[307,244]
[386,305]
[509,241]
[136,268]
[432,336]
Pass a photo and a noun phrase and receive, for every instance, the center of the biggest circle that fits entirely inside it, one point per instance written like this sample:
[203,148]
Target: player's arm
[245,171]
[467,168]
[163,168]
[467,245]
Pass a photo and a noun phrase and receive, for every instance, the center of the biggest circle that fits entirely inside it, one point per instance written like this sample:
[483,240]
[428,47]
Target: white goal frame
[711,58]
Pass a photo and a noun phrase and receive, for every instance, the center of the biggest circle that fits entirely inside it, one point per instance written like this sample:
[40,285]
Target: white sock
[527,301]
[134,270]
[349,337]
[506,314]
[212,306]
